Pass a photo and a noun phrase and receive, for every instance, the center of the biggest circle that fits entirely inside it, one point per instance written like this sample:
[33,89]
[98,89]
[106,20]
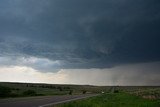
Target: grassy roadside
[113,100]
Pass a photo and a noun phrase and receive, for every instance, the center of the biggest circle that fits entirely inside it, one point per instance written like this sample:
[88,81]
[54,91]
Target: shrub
[84,91]
[116,91]
[5,91]
[29,93]
[60,88]
[70,92]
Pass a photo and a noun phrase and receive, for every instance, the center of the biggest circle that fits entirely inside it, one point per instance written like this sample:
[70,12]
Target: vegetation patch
[5,91]
[29,93]
[150,93]
[113,100]
[8,90]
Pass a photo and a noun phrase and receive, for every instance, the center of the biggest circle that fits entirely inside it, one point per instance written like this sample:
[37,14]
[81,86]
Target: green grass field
[113,100]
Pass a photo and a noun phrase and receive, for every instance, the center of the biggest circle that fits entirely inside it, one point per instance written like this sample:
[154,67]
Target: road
[44,101]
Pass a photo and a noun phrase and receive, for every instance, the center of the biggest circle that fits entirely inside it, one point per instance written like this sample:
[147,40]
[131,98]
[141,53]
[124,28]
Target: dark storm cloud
[81,34]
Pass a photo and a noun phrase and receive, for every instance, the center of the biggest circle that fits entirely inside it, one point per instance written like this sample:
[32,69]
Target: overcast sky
[114,42]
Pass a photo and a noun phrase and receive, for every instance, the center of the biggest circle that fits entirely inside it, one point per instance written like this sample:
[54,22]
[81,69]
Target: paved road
[41,101]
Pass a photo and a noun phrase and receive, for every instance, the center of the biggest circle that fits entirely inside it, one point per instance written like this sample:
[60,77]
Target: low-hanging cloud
[141,74]
[39,64]
[132,74]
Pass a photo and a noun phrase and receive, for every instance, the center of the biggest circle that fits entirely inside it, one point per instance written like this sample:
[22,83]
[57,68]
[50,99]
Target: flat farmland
[66,95]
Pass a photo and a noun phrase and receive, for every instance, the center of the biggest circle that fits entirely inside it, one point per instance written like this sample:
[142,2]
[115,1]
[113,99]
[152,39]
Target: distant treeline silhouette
[61,88]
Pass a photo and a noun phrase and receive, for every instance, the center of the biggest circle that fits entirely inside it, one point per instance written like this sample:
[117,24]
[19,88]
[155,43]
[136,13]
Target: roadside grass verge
[113,100]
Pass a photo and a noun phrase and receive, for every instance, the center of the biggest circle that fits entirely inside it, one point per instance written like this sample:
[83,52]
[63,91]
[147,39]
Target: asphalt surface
[44,101]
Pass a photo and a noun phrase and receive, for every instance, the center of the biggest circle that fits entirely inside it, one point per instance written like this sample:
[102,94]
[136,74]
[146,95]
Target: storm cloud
[81,34]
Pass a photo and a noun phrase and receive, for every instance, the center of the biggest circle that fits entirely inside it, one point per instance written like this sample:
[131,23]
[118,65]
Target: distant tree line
[61,88]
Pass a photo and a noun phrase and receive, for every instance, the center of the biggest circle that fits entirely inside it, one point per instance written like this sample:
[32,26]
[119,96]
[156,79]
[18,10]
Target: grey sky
[79,34]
